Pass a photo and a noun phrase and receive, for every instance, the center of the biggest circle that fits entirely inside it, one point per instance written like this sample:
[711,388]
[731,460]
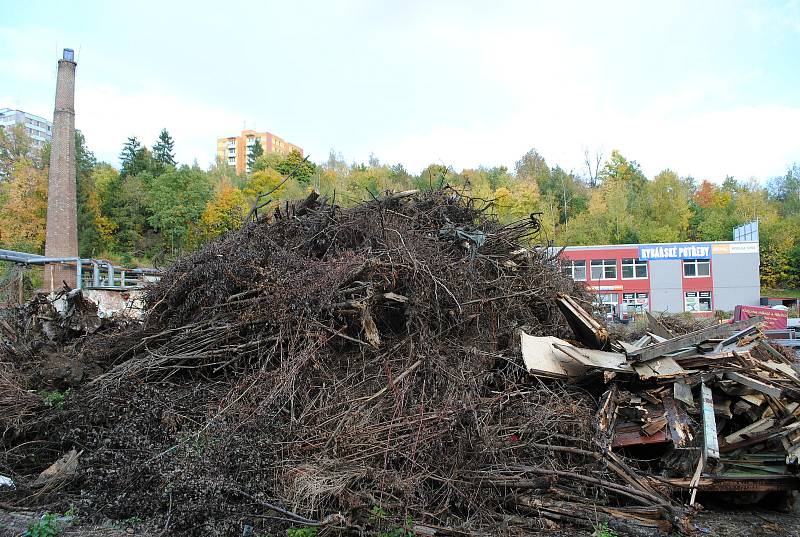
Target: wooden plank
[733,338]
[542,359]
[756,427]
[683,392]
[657,338]
[637,438]
[587,329]
[657,328]
[757,385]
[659,368]
[710,442]
[594,359]
[690,339]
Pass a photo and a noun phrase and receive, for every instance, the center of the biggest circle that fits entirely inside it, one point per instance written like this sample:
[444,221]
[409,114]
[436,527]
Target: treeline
[152,208]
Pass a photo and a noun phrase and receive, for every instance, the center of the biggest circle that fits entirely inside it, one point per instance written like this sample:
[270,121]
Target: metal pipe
[19,254]
[95,273]
[110,275]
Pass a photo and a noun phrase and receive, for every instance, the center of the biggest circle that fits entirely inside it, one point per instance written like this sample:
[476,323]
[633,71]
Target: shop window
[634,269]
[636,302]
[697,300]
[604,269]
[575,269]
[696,268]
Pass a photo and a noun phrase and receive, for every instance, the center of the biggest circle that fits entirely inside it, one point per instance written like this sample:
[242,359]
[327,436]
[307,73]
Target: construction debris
[721,404]
[406,364]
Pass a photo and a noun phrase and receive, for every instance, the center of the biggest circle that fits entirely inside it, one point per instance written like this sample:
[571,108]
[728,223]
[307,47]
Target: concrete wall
[666,288]
[736,280]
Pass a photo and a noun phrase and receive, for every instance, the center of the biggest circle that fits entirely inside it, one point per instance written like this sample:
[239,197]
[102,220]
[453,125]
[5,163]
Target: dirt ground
[710,523]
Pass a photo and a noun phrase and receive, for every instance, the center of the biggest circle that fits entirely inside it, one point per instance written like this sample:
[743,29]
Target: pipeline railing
[89,273]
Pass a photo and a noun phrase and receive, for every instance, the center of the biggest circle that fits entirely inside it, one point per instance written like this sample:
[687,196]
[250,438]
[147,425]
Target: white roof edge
[627,246]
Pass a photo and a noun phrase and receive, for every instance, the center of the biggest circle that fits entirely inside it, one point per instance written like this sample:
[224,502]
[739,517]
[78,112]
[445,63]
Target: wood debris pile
[712,410]
[369,370]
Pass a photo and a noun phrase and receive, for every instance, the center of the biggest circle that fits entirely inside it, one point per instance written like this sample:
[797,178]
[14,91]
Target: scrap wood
[678,423]
[587,329]
[760,437]
[61,470]
[761,387]
[543,357]
[644,521]
[659,368]
[594,359]
[690,339]
[713,483]
[710,444]
[657,328]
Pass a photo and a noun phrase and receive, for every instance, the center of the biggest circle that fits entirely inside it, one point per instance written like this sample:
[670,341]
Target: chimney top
[69,54]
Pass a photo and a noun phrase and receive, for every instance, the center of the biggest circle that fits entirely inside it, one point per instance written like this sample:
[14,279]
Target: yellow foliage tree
[224,212]
[23,212]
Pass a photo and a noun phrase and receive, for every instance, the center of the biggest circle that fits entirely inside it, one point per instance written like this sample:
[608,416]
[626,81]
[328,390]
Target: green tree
[298,167]
[90,242]
[532,166]
[177,201]
[164,150]
[135,158]
[664,210]
[252,155]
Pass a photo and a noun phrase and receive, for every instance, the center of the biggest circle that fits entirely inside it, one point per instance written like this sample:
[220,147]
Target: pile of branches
[353,369]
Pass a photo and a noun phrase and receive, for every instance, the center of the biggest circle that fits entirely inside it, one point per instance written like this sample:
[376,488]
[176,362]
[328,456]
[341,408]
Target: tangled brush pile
[356,368]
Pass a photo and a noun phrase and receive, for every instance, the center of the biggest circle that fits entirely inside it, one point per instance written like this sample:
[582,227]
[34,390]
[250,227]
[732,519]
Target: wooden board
[690,339]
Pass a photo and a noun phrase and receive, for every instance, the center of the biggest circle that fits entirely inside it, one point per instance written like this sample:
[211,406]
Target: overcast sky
[707,89]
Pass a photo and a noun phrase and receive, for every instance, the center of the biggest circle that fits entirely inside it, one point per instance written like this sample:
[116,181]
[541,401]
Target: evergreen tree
[128,155]
[164,150]
[254,153]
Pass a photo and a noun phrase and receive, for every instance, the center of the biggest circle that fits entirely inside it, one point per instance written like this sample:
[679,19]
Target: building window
[696,268]
[697,300]
[606,298]
[231,160]
[604,269]
[575,269]
[634,269]
[636,302]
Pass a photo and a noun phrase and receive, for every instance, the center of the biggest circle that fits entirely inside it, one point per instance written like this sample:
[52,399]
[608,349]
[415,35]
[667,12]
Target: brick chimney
[62,205]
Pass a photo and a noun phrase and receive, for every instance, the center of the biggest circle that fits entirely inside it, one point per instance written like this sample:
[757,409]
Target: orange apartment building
[234,150]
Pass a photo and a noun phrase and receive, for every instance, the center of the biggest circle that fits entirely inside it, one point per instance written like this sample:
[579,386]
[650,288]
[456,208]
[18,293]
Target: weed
[407,530]
[130,522]
[378,513]
[56,398]
[46,526]
[602,530]
[306,531]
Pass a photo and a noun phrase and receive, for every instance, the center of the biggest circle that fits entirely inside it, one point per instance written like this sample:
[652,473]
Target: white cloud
[108,116]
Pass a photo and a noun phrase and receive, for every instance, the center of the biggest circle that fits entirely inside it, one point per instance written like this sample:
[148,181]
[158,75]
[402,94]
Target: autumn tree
[23,208]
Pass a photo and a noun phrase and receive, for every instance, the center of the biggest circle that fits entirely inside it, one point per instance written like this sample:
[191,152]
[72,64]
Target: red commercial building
[690,276]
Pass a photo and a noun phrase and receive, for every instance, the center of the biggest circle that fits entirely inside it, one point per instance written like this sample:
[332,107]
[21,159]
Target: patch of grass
[306,531]
[56,398]
[130,522]
[782,293]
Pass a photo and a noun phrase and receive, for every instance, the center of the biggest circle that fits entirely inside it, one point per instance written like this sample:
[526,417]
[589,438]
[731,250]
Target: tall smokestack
[62,205]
